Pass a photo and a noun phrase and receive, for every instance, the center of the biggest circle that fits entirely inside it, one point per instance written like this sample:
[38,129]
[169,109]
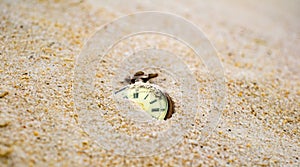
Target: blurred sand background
[258,44]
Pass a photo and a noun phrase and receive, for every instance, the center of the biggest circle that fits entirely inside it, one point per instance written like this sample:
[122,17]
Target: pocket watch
[150,97]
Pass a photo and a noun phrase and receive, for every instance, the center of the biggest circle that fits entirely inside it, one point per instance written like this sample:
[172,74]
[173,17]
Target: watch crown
[141,76]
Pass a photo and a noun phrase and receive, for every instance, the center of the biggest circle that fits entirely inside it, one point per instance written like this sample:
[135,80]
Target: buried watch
[148,96]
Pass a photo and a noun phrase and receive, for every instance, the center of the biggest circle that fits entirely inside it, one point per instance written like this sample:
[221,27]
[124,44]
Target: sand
[256,42]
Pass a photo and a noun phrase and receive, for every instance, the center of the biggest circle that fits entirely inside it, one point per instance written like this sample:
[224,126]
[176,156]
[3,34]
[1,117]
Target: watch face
[148,97]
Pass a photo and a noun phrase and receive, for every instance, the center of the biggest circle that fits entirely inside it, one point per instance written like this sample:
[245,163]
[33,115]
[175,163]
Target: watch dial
[148,97]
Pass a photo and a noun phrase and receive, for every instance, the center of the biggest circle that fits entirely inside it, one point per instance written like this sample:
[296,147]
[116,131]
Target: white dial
[148,97]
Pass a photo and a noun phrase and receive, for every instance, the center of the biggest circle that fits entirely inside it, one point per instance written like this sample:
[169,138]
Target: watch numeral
[155,109]
[146,97]
[136,95]
[153,101]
